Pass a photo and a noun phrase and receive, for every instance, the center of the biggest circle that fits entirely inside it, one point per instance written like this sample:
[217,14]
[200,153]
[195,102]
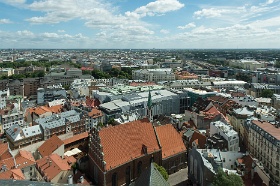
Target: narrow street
[179,178]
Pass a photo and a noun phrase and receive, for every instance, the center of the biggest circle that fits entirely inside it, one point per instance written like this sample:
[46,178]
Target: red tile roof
[122,143]
[75,138]
[50,145]
[52,165]
[199,138]
[14,174]
[24,158]
[9,162]
[269,128]
[92,102]
[170,140]
[94,113]
[4,151]
[211,113]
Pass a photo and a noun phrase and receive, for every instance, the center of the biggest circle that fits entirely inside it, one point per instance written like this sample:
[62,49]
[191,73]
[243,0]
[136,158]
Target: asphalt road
[179,178]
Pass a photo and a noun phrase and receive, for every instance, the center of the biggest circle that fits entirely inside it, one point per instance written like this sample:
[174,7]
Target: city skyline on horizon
[124,24]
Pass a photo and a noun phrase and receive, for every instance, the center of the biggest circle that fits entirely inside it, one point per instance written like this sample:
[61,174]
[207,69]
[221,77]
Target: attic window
[144,149]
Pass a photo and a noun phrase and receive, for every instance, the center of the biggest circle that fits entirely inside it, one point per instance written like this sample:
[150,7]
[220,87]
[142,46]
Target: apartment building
[264,144]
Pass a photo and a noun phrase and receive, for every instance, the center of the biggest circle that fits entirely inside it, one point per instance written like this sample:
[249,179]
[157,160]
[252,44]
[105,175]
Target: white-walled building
[154,75]
[228,84]
[226,131]
[80,88]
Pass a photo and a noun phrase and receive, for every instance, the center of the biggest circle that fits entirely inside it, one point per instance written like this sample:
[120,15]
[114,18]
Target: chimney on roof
[144,149]
[50,163]
[3,168]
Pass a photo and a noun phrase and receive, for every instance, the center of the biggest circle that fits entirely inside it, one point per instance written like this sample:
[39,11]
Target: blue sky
[140,24]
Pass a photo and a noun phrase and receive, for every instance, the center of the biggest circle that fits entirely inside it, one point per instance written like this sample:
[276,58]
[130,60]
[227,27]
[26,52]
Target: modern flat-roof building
[164,103]
[227,132]
[195,93]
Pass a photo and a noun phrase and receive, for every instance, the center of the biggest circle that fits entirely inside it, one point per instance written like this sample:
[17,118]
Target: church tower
[149,107]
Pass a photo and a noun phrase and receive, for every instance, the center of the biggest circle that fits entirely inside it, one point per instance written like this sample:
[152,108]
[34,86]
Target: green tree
[111,121]
[162,171]
[277,64]
[222,179]
[266,93]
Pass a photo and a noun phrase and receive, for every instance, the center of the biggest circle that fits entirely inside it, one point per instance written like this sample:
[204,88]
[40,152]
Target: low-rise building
[8,119]
[53,169]
[204,163]
[173,150]
[50,93]
[19,137]
[95,117]
[53,145]
[119,154]
[226,131]
[65,122]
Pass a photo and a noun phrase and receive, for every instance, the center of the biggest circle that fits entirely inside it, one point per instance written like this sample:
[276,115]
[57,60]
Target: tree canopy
[222,179]
[162,171]
[266,93]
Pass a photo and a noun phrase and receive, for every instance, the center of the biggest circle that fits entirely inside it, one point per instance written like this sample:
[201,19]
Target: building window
[139,167]
[114,179]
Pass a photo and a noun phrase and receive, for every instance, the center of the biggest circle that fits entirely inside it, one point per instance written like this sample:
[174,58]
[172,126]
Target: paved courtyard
[179,178]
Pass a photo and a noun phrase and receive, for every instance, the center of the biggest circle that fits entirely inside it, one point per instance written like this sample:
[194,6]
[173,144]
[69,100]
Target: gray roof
[31,131]
[244,111]
[58,120]
[18,133]
[150,177]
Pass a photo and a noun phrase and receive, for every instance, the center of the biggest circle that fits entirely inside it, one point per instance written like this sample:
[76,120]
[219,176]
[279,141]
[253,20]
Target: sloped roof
[14,174]
[211,113]
[122,143]
[4,151]
[199,138]
[24,158]
[75,138]
[150,177]
[50,145]
[9,162]
[170,140]
[52,165]
[94,113]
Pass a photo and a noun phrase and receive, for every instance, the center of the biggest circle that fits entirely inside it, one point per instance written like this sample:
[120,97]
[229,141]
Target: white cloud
[5,21]
[157,7]
[95,13]
[163,31]
[190,25]
[215,12]
[61,31]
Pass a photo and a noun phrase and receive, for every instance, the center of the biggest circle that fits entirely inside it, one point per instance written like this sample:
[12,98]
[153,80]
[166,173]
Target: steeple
[149,105]
[149,100]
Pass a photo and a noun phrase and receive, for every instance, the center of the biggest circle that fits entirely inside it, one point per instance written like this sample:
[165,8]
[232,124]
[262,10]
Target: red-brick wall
[121,170]
[174,163]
